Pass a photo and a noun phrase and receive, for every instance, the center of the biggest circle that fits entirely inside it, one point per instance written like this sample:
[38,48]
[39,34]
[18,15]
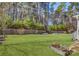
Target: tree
[3,7]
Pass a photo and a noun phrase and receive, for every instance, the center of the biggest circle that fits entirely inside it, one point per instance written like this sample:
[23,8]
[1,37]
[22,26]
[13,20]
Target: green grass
[33,45]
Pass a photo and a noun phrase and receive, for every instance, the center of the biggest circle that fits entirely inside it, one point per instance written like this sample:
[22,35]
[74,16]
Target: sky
[55,7]
[58,3]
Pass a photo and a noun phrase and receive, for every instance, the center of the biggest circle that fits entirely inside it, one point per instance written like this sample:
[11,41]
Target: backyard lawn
[33,44]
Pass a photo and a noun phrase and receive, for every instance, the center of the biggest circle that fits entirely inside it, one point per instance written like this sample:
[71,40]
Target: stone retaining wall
[27,31]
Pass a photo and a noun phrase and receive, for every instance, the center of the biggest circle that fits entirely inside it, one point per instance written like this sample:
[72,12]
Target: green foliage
[60,27]
[5,21]
[39,26]
[60,7]
[18,24]
[9,21]
[26,23]
[29,23]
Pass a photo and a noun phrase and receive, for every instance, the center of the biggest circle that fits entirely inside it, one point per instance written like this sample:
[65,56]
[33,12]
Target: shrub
[29,23]
[6,21]
[59,27]
[18,24]
[39,26]
[32,25]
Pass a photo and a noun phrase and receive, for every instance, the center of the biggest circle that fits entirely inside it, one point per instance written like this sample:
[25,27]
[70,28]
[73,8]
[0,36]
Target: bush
[29,23]
[17,24]
[39,26]
[6,21]
[32,25]
[60,27]
[26,23]
[53,27]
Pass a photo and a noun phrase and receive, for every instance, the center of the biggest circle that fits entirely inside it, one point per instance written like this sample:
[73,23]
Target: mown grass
[33,45]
